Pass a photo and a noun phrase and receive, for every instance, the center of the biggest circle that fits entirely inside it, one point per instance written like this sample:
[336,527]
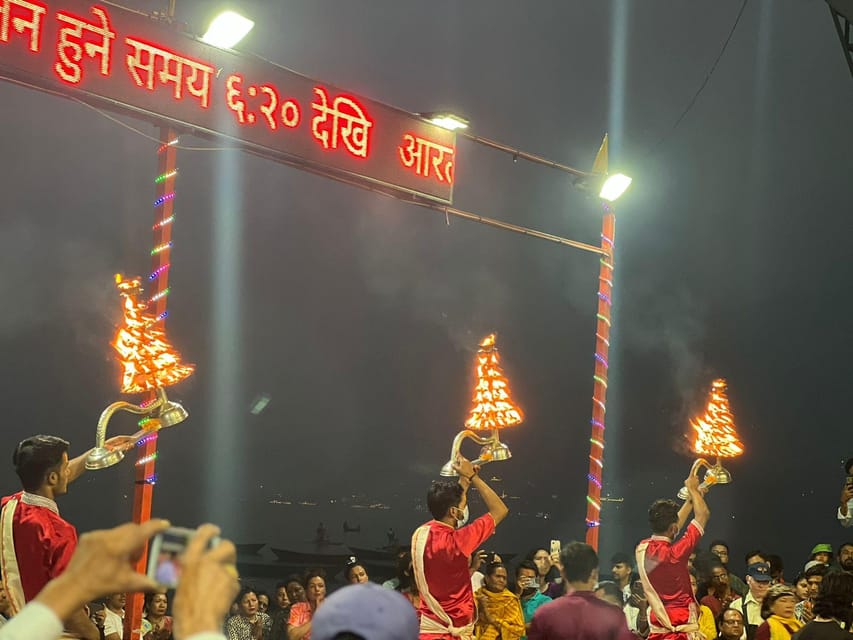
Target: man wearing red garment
[662,564]
[441,552]
[35,542]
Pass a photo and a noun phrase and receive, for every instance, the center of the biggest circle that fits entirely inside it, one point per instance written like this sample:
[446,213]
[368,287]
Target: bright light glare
[227,29]
[450,122]
[614,186]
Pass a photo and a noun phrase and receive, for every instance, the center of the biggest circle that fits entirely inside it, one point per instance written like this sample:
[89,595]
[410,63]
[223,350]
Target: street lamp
[227,29]
[445,119]
[614,186]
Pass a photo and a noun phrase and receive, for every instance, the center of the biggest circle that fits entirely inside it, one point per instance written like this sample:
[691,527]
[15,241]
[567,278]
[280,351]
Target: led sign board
[111,56]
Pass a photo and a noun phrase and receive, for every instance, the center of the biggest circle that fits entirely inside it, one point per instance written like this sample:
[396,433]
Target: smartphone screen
[166,553]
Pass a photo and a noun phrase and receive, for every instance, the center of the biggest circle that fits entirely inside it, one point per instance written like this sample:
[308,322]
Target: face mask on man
[461,522]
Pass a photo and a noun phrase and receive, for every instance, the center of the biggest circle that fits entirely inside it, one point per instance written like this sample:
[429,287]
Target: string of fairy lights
[163,251]
[602,345]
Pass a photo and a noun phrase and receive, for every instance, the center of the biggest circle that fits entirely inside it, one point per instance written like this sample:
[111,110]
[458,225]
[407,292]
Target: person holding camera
[104,563]
[845,507]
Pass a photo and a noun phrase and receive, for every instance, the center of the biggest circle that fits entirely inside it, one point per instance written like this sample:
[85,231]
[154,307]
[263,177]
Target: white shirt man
[114,617]
[758,581]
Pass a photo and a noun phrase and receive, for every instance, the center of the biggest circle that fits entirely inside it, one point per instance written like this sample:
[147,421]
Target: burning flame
[148,360]
[493,408]
[715,430]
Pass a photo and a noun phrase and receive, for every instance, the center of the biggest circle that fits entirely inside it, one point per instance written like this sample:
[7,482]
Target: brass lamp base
[716,474]
[168,414]
[101,458]
[493,450]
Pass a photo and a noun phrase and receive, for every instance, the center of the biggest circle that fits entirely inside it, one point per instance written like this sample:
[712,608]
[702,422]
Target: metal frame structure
[842,18]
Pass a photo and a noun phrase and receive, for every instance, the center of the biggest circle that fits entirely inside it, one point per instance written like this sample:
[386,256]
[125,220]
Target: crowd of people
[447,587]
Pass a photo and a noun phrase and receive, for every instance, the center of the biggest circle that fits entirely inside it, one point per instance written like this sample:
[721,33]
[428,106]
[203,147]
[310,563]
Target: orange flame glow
[147,359]
[493,408]
[715,430]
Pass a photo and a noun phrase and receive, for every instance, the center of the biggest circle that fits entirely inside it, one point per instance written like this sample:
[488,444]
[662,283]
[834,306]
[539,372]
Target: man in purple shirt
[579,615]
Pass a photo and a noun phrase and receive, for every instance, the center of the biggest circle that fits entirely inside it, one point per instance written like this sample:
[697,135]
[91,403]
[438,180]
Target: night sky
[359,315]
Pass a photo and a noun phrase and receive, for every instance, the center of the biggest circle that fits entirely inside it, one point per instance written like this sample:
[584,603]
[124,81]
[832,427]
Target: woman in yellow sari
[498,609]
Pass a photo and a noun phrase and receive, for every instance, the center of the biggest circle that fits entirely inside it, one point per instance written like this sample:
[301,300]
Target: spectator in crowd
[527,586]
[281,613]
[355,572]
[548,574]
[609,591]
[98,615]
[814,574]
[720,594]
[730,624]
[42,540]
[755,556]
[622,571]
[845,506]
[481,559]
[579,615]
[777,568]
[156,625]
[720,548]
[103,563]
[821,553]
[833,610]
[637,610]
[758,581]
[442,548]
[499,612]
[366,612]
[801,587]
[707,625]
[295,590]
[301,613]
[249,623]
[405,582]
[845,557]
[777,609]
[394,583]
[263,602]
[114,616]
[662,562]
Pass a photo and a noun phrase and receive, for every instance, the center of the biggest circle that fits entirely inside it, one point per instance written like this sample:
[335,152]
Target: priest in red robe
[441,554]
[36,543]
[662,564]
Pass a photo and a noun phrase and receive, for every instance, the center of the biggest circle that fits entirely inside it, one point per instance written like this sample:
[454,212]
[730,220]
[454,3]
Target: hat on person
[366,610]
[813,563]
[777,591]
[759,571]
[822,548]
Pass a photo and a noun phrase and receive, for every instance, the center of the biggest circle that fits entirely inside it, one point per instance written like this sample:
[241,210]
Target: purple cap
[367,610]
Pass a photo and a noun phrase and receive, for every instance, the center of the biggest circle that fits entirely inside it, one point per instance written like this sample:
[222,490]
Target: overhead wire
[704,82]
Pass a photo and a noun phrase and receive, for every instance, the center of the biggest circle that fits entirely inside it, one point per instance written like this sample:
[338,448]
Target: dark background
[359,316]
